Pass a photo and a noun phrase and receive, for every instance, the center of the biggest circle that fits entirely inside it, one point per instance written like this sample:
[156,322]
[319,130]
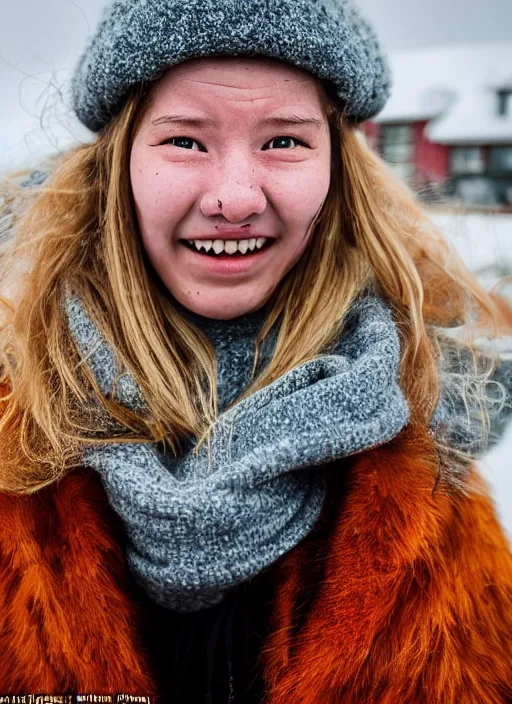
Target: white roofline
[453,89]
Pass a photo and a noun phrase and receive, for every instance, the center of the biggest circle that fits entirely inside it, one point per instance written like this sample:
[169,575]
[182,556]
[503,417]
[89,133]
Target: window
[476,190]
[397,148]
[505,102]
[467,160]
[500,158]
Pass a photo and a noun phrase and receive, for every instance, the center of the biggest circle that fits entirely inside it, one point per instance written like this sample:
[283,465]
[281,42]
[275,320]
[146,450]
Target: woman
[235,466]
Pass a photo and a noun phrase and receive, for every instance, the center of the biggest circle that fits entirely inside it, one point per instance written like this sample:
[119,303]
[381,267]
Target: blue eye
[193,141]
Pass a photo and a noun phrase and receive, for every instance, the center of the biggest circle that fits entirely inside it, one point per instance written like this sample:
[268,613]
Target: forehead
[237,79]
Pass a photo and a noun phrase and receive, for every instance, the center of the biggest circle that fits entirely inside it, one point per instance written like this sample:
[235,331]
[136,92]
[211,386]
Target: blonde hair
[80,233]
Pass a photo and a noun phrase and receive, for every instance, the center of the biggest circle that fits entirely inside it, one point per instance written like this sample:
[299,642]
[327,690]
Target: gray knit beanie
[139,39]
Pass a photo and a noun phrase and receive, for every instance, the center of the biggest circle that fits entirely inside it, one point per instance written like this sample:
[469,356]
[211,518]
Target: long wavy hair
[79,232]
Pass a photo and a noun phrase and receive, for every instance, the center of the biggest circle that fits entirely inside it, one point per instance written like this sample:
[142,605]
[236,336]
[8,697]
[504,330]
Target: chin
[223,309]
[224,312]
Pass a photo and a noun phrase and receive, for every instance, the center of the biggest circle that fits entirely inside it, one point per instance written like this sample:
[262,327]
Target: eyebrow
[203,121]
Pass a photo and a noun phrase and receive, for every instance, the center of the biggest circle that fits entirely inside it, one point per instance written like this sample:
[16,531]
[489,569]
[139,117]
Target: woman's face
[216,161]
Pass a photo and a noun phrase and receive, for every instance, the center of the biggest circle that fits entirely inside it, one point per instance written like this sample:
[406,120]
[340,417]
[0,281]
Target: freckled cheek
[142,178]
[159,198]
[301,199]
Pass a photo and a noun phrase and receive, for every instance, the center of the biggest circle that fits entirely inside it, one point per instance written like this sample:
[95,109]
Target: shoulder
[69,602]
[436,567]
[400,483]
[79,493]
[73,509]
[415,595]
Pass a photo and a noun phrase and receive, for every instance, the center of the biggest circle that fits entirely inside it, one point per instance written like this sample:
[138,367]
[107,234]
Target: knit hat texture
[138,40]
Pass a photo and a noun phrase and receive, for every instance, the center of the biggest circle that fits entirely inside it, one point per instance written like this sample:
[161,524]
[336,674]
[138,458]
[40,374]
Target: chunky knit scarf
[199,526]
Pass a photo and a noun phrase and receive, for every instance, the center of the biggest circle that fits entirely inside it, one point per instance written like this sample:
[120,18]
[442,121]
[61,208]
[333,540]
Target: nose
[237,195]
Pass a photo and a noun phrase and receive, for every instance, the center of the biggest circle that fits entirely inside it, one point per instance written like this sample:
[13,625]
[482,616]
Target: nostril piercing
[220,204]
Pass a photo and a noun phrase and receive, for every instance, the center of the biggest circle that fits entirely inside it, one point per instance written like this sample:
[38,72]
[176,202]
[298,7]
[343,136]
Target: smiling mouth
[210,252]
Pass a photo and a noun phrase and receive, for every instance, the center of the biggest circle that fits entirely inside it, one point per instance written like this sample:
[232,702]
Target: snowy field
[485,244]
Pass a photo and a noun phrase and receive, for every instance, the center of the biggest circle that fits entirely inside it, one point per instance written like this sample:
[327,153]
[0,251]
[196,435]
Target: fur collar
[400,593]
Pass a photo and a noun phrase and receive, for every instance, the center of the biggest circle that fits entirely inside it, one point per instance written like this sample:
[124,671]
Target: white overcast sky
[40,37]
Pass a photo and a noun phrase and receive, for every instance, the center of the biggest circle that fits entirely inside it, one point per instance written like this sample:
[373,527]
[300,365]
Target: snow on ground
[496,467]
[485,244]
[483,241]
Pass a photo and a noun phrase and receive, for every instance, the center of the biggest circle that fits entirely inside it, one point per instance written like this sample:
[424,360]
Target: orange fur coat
[400,595]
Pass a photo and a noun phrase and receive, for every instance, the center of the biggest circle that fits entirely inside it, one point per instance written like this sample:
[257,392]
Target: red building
[447,128]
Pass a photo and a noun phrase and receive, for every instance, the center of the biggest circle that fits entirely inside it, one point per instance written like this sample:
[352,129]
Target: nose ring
[219,203]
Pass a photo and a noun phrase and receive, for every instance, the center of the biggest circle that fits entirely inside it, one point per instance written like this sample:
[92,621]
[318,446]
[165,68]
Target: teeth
[230,246]
[203,244]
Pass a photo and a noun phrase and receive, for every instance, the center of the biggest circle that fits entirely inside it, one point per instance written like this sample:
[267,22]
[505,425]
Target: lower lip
[228,264]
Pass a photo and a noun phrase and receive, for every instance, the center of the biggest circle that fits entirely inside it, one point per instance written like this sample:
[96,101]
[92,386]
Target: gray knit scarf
[197,530]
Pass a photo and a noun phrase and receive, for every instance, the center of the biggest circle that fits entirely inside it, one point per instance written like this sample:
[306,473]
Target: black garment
[211,656]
